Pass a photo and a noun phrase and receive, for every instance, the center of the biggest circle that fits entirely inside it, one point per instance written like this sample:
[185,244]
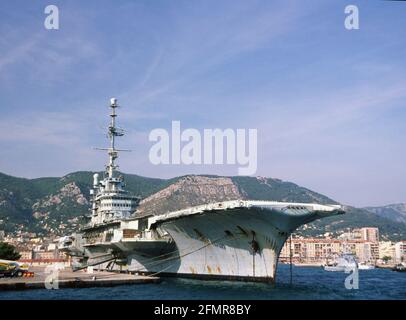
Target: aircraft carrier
[234,240]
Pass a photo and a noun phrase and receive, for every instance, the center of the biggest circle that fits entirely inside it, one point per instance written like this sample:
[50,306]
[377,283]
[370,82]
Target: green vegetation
[8,252]
[386,259]
[22,201]
[36,205]
[356,218]
[277,190]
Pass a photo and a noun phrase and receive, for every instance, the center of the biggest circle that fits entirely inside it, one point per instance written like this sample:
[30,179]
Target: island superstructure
[110,201]
[238,240]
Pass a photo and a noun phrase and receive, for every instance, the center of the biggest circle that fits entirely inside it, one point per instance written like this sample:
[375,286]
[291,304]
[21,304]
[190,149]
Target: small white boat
[401,267]
[365,266]
[344,263]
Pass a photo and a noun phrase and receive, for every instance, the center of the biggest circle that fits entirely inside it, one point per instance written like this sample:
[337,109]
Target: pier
[69,279]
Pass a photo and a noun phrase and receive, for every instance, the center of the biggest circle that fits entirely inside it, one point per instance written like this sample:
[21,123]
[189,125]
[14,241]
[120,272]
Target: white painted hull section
[220,243]
[236,240]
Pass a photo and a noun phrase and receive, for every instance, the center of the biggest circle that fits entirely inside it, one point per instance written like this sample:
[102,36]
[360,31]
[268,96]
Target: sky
[328,103]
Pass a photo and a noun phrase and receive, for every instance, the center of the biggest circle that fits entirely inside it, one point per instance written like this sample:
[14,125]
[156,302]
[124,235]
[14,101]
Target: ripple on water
[308,283]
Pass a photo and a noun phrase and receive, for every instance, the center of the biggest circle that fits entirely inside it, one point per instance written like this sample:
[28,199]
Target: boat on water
[343,263]
[365,266]
[236,240]
[399,268]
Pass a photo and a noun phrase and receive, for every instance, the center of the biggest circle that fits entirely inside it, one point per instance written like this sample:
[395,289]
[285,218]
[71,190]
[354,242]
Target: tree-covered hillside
[57,205]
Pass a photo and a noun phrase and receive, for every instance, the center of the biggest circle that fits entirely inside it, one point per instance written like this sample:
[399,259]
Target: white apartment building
[400,251]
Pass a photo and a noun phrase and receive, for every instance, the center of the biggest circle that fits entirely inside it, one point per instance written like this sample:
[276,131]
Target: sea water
[308,283]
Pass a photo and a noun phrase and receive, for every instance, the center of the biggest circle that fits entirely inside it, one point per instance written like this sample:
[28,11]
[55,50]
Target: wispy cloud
[313,89]
[202,42]
[44,128]
[12,53]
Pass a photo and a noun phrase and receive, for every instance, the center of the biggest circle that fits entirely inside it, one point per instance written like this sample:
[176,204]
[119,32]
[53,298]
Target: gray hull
[239,242]
[236,240]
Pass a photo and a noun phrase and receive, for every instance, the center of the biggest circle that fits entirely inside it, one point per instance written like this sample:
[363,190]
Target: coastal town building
[34,249]
[26,255]
[365,251]
[369,234]
[310,250]
[362,242]
[387,251]
[400,251]
[320,250]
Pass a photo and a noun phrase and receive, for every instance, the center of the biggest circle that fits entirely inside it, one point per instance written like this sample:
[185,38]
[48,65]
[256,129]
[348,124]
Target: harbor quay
[44,278]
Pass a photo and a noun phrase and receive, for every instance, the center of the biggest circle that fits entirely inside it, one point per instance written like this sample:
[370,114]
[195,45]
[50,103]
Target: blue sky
[328,103]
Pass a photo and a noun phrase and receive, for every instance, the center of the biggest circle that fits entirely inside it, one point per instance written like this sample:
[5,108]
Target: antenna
[113,132]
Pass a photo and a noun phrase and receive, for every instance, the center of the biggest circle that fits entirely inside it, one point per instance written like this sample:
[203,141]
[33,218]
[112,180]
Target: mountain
[356,218]
[395,212]
[57,205]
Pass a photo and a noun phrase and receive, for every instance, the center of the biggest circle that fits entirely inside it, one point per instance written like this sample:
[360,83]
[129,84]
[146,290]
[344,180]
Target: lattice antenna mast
[113,132]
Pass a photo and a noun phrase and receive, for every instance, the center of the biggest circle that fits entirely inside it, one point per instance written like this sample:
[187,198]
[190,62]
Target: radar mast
[113,132]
